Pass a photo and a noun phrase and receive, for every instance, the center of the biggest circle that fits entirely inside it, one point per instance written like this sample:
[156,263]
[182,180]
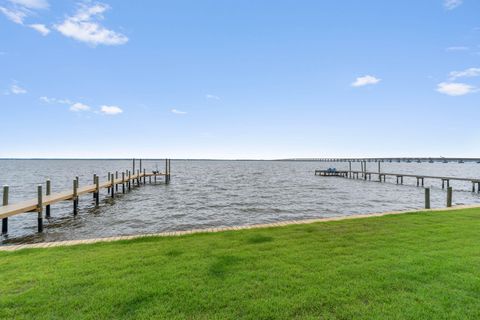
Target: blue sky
[239,79]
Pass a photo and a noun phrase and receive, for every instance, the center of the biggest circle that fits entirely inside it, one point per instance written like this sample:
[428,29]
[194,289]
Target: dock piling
[166,171]
[116,177]
[40,208]
[123,182]
[449,197]
[94,182]
[108,179]
[5,203]
[112,184]
[75,197]
[427,198]
[144,177]
[133,170]
[48,192]
[97,191]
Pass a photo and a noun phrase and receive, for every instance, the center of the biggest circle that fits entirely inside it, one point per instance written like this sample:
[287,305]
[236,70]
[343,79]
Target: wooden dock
[126,180]
[420,179]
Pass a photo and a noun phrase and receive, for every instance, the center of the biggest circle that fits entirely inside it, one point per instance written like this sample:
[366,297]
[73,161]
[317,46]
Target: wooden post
[97,191]
[133,170]
[155,178]
[40,208]
[138,178]
[116,177]
[169,169]
[94,182]
[144,177]
[427,198]
[123,182]
[129,180]
[166,171]
[140,165]
[443,184]
[418,181]
[350,168]
[401,179]
[449,197]
[112,183]
[48,192]
[108,179]
[75,197]
[473,186]
[5,203]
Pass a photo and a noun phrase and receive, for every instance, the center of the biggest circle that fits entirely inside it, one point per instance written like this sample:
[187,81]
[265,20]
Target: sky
[244,79]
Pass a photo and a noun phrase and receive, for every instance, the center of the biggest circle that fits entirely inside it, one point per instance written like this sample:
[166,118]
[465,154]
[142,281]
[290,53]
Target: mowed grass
[410,266]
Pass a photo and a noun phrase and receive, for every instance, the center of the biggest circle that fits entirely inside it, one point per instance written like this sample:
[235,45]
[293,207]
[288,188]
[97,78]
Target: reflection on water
[205,194]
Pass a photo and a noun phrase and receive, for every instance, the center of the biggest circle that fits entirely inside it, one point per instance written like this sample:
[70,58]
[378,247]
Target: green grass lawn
[410,266]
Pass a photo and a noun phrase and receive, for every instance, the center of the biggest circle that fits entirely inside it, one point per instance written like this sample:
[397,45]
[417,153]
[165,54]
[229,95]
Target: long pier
[126,180]
[394,159]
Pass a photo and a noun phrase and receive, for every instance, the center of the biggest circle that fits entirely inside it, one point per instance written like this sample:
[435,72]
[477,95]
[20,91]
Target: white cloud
[365,80]
[40,28]
[77,107]
[84,27]
[55,100]
[452,4]
[18,10]
[467,73]
[14,15]
[47,99]
[16,89]
[178,111]
[455,89]
[457,48]
[212,97]
[110,110]
[31,4]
